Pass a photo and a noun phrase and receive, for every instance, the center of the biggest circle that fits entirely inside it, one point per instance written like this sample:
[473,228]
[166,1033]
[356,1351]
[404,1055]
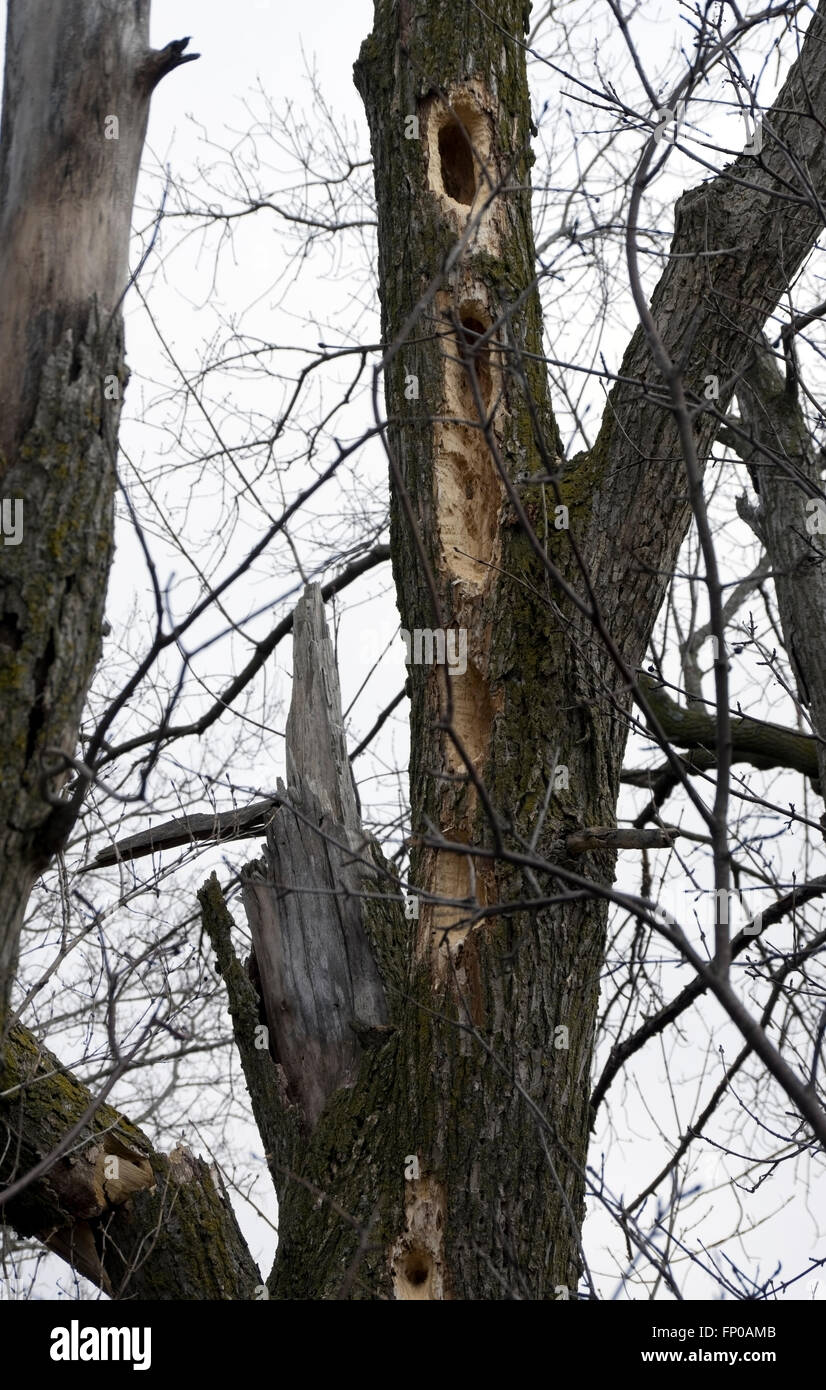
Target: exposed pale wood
[537,680]
[504,1194]
[461,562]
[266,1081]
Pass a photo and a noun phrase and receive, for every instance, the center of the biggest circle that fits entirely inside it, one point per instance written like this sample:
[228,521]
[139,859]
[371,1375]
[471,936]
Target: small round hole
[472,331]
[417,1268]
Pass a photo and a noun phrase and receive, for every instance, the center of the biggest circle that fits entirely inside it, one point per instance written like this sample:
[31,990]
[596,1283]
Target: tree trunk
[790,519]
[453,1163]
[499,1027]
[457,1156]
[78,80]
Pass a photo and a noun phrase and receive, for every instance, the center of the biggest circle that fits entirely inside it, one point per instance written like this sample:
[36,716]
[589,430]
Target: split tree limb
[138,1223]
[185,830]
[614,837]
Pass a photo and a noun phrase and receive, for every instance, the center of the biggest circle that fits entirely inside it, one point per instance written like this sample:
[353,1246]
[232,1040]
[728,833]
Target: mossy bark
[453,1165]
[138,1223]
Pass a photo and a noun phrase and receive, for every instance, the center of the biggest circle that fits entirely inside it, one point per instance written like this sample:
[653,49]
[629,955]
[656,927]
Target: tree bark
[461,322]
[77,85]
[319,982]
[137,1223]
[499,1205]
[754,741]
[473,1183]
[315,1014]
[739,241]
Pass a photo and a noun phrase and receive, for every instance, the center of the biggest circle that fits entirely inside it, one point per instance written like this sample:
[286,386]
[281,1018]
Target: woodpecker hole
[472,330]
[459,151]
[456,155]
[416,1271]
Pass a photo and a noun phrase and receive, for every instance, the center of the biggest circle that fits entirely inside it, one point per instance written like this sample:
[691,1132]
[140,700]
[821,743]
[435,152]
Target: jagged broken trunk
[319,982]
[452,1161]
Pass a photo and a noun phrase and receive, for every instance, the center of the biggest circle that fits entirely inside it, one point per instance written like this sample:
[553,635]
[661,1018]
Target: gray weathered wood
[316,746]
[319,981]
[237,824]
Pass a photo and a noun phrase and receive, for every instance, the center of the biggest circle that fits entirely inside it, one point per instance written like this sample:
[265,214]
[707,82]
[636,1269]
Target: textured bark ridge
[52,592]
[77,84]
[424,1096]
[139,1224]
[470,424]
